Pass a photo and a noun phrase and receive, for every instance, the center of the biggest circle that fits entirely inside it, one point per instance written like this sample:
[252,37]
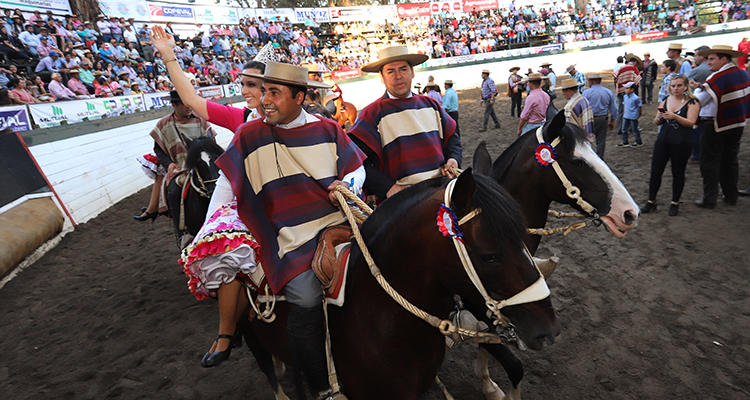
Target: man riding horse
[407,137]
[170,134]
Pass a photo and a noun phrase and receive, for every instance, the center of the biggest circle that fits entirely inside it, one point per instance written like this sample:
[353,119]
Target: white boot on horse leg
[279,367]
[489,388]
[547,265]
[280,395]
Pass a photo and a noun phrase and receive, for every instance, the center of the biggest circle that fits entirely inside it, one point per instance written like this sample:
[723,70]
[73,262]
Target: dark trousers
[697,142]
[174,191]
[663,152]
[489,111]
[515,104]
[647,93]
[719,164]
[600,132]
[454,115]
[620,111]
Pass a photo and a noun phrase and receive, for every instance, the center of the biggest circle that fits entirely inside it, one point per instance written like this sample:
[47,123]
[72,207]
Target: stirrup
[329,395]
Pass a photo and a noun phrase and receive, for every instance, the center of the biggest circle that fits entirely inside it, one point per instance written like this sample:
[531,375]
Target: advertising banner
[137,9]
[354,73]
[167,13]
[211,91]
[479,5]
[275,14]
[597,42]
[728,25]
[320,15]
[233,89]
[447,6]
[157,100]
[216,15]
[650,35]
[53,114]
[56,6]
[551,47]
[359,13]
[413,10]
[247,13]
[16,118]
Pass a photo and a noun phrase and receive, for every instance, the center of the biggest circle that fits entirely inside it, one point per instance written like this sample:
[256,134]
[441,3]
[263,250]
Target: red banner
[453,6]
[650,35]
[352,73]
[413,10]
[479,5]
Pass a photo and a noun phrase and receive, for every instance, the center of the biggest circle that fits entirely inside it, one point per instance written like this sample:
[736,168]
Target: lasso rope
[446,327]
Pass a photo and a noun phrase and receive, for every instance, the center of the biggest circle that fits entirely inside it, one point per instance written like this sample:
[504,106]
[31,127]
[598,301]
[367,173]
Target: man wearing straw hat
[489,92]
[450,102]
[673,53]
[516,88]
[725,107]
[577,109]
[602,101]
[279,169]
[579,76]
[534,112]
[648,76]
[407,138]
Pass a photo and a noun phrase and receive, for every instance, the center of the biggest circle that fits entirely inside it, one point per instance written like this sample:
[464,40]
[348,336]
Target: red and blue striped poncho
[280,178]
[730,89]
[411,138]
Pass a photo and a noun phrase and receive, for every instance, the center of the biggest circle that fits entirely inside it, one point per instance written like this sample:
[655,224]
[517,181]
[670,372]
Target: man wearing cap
[288,150]
[579,76]
[577,109]
[407,138]
[602,102]
[628,73]
[489,92]
[46,47]
[516,88]
[725,107]
[450,103]
[49,63]
[30,40]
[534,112]
[683,68]
[648,77]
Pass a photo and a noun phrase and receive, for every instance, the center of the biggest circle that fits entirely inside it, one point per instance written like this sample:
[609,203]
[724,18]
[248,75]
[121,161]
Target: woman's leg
[680,156]
[228,294]
[658,164]
[153,204]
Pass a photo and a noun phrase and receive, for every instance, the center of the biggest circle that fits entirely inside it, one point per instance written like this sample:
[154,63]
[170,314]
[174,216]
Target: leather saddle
[327,261]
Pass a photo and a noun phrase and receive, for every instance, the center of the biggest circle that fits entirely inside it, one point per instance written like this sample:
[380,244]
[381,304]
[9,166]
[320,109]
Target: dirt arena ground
[661,314]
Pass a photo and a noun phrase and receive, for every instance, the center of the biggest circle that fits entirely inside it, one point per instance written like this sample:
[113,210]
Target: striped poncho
[578,111]
[730,89]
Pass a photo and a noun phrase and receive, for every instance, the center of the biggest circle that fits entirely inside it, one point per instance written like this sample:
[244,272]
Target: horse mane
[501,165]
[501,216]
[199,145]
[572,136]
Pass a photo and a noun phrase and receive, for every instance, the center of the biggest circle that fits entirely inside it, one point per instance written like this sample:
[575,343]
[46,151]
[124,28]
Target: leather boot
[306,330]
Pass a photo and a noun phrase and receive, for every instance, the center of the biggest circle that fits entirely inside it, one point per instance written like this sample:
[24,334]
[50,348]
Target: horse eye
[489,258]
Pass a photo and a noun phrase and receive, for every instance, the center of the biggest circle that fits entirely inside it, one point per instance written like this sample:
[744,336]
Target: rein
[535,292]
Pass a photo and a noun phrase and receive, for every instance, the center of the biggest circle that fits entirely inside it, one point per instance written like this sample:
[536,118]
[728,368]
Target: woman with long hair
[676,117]
[10,46]
[38,91]
[19,92]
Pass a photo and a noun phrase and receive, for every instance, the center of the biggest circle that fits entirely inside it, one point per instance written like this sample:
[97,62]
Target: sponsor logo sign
[211,91]
[338,75]
[46,115]
[233,89]
[216,15]
[597,42]
[358,13]
[479,5]
[276,14]
[649,35]
[320,15]
[165,13]
[447,6]
[413,10]
[728,25]
[16,118]
[56,6]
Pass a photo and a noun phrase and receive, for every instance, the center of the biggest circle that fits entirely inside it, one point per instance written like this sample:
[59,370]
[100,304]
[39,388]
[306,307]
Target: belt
[705,120]
[599,116]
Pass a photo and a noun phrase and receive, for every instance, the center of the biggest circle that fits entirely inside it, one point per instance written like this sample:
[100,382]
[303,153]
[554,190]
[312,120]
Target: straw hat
[486,71]
[570,68]
[392,54]
[73,71]
[98,73]
[594,75]
[569,84]
[535,76]
[123,73]
[721,49]
[545,64]
[287,74]
[638,62]
[675,46]
[514,69]
[431,84]
[645,53]
[448,82]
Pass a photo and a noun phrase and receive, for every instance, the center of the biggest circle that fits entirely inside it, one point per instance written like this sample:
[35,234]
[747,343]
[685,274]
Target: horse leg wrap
[306,329]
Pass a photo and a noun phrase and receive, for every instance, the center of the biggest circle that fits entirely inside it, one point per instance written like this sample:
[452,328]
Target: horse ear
[555,127]
[185,140]
[463,191]
[482,160]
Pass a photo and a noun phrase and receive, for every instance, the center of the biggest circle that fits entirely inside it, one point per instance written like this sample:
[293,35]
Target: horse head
[201,161]
[493,232]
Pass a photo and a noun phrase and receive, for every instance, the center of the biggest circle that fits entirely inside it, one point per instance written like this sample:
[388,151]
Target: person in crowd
[18,92]
[725,107]
[632,106]
[698,76]
[30,40]
[489,92]
[744,47]
[433,93]
[107,88]
[450,103]
[577,110]
[628,73]
[5,97]
[648,77]
[59,90]
[11,46]
[76,85]
[676,117]
[104,28]
[579,76]
[38,90]
[516,87]
[115,28]
[124,82]
[668,70]
[604,109]
[403,117]
[551,80]
[534,112]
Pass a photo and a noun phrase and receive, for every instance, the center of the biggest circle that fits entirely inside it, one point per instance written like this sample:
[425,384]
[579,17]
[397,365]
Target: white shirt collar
[302,119]
[391,96]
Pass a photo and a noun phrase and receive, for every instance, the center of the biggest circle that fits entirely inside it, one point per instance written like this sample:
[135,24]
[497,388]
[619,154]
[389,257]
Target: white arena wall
[92,172]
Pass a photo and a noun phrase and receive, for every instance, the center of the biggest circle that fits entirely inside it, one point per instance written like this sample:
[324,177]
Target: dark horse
[535,187]
[200,176]
[382,351]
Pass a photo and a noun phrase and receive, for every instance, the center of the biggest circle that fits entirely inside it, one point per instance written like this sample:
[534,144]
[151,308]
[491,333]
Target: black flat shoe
[648,207]
[149,216]
[674,209]
[701,204]
[216,358]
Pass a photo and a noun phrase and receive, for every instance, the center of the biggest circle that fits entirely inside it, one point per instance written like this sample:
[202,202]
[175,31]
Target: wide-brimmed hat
[448,82]
[100,16]
[594,75]
[570,68]
[638,61]
[134,84]
[514,69]
[73,71]
[545,64]
[721,49]
[486,71]
[431,84]
[391,54]
[675,46]
[569,83]
[98,73]
[645,53]
[123,73]
[287,74]
[535,76]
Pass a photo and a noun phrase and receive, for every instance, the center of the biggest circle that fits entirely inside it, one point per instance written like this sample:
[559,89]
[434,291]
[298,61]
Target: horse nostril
[629,217]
